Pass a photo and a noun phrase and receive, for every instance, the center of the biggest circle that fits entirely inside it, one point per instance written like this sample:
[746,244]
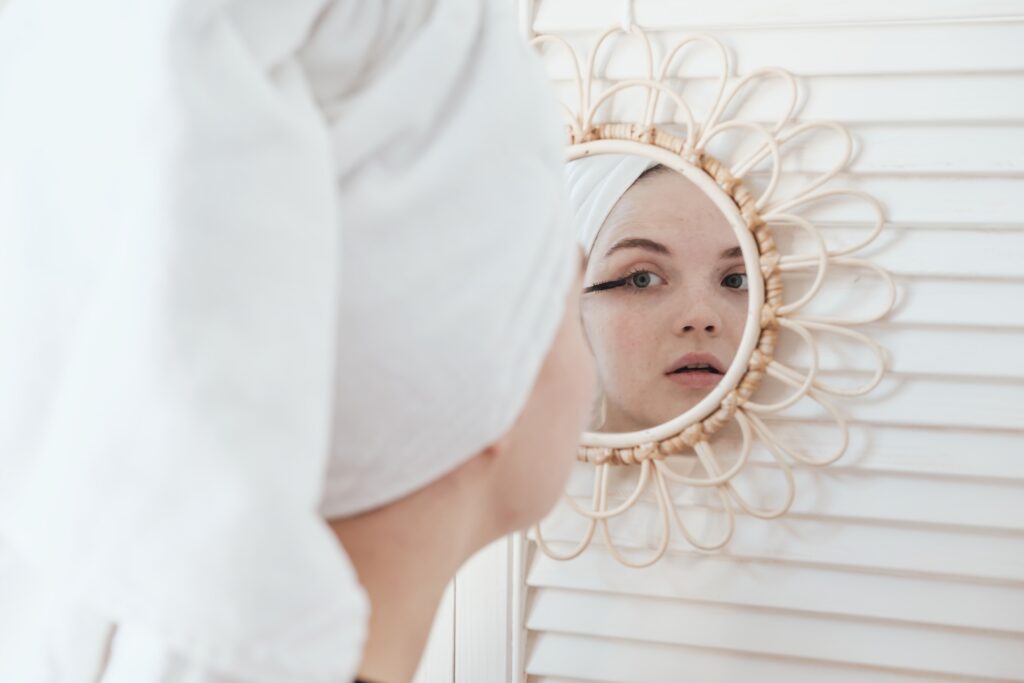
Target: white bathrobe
[262,262]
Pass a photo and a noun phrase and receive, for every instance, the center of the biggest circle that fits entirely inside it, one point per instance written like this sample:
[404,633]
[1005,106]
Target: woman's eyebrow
[639,243]
[734,252]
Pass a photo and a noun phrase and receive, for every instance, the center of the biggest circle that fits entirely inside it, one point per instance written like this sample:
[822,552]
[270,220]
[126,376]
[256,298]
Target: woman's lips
[696,370]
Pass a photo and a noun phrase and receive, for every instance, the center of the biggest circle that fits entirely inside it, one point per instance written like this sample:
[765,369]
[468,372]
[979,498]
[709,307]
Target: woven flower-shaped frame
[682,143]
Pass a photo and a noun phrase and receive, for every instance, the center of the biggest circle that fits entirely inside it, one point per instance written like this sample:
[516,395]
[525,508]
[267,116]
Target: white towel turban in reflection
[596,183]
[244,245]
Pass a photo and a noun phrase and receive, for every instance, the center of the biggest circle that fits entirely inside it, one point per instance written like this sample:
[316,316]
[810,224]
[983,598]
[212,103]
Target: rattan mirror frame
[681,143]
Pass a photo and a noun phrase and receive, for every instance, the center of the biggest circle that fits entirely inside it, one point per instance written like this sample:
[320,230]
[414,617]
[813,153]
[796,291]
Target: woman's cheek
[610,331]
[631,335]
[735,314]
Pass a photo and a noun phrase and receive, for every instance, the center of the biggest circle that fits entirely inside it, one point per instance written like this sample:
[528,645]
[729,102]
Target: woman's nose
[699,318]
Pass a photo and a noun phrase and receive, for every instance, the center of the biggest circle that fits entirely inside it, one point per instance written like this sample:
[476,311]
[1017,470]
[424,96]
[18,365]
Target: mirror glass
[665,298]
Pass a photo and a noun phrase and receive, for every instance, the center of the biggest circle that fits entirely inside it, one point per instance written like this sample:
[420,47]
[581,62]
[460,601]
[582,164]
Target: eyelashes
[636,280]
[601,286]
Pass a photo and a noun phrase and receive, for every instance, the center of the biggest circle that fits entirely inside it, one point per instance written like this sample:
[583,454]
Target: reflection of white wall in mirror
[665,301]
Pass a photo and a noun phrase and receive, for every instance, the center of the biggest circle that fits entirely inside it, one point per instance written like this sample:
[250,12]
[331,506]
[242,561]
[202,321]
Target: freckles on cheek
[628,335]
[617,334]
[624,336]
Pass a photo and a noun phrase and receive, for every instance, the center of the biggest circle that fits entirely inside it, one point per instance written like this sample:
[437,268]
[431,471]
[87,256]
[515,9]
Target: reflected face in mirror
[664,303]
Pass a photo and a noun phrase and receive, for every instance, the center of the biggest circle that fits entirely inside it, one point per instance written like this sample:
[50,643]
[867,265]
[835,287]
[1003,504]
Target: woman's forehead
[669,209]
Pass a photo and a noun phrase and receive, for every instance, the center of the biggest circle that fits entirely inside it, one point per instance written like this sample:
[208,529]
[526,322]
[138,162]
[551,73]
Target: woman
[277,277]
[665,295]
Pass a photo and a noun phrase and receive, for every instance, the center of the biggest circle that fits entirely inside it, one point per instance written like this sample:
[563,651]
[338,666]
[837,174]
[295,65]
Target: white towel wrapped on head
[246,244]
[596,183]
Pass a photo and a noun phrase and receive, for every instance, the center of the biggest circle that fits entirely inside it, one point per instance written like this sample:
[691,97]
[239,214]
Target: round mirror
[672,289]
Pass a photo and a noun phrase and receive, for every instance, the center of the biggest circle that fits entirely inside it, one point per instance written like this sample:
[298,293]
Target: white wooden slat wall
[905,560]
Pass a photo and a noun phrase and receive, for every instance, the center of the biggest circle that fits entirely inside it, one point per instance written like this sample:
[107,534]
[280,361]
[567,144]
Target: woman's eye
[735,281]
[644,279]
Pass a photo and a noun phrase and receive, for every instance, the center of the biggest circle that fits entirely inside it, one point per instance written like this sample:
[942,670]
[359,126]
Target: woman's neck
[405,553]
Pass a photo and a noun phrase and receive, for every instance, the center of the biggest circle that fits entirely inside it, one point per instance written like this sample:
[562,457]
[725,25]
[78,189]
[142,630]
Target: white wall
[905,561]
